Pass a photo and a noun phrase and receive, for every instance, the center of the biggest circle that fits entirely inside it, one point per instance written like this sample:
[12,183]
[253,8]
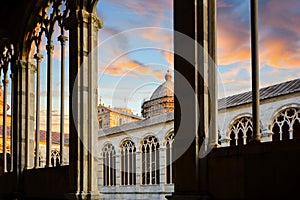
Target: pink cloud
[145,7]
[223,4]
[125,67]
[233,40]
[279,35]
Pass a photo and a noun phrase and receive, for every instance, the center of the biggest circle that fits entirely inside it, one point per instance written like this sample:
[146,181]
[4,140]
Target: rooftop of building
[122,111]
[285,88]
[55,136]
[165,89]
[166,117]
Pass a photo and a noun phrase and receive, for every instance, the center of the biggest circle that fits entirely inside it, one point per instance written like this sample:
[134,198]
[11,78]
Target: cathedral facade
[135,159]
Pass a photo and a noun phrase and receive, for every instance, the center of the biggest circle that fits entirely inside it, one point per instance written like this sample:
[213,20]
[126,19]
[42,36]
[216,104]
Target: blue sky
[279,46]
[135,50]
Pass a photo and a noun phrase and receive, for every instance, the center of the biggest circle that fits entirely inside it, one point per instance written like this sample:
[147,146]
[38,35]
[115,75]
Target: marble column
[83,25]
[162,165]
[138,168]
[118,169]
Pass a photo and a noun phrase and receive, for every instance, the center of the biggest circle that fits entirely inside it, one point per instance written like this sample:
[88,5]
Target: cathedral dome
[162,99]
[165,89]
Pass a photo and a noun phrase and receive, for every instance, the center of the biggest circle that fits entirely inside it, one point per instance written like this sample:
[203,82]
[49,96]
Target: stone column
[38,58]
[138,168]
[19,123]
[291,132]
[118,168]
[255,70]
[30,97]
[100,172]
[83,25]
[162,165]
[195,19]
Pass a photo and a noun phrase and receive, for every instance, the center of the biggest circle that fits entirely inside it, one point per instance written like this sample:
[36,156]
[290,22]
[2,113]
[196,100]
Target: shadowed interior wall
[255,171]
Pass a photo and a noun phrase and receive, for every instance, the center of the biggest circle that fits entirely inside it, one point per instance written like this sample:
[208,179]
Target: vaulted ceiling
[14,15]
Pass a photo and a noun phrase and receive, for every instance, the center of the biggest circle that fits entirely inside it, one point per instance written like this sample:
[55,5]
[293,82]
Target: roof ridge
[294,80]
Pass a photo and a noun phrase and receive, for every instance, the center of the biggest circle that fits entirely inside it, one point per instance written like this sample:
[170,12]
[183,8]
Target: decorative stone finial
[168,76]
[101,101]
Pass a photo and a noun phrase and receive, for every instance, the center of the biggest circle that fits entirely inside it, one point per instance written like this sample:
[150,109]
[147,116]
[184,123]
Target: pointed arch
[109,164]
[150,160]
[128,162]
[286,122]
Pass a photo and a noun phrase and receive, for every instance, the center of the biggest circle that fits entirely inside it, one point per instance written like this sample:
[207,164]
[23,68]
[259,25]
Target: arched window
[109,165]
[47,61]
[6,89]
[169,158]
[285,124]
[55,155]
[241,131]
[100,123]
[150,161]
[128,163]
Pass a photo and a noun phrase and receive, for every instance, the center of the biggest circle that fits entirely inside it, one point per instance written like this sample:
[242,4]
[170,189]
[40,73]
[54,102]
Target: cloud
[120,52]
[169,57]
[279,33]
[223,4]
[233,37]
[144,7]
[127,67]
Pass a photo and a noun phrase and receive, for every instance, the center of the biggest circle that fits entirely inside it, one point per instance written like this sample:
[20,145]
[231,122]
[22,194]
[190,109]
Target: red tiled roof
[43,135]
[55,137]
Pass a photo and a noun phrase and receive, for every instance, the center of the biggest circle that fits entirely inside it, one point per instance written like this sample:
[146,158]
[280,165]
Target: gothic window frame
[7,57]
[150,161]
[128,162]
[55,158]
[109,164]
[240,130]
[169,140]
[282,120]
[52,14]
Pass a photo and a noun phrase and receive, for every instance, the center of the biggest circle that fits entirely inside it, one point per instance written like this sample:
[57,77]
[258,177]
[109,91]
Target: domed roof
[165,89]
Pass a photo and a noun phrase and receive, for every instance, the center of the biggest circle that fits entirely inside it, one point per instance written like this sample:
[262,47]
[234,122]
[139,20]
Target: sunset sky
[135,50]
[128,75]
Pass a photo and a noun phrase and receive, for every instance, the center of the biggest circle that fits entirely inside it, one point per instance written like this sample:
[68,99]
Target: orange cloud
[223,4]
[279,35]
[165,40]
[127,67]
[233,40]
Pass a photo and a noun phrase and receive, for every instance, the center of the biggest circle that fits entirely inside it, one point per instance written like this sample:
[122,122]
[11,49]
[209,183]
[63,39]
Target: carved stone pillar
[100,172]
[196,19]
[118,169]
[31,69]
[83,25]
[19,123]
[138,168]
[291,132]
[162,165]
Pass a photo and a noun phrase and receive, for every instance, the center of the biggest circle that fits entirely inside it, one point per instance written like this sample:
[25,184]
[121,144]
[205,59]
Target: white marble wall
[159,127]
[268,111]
